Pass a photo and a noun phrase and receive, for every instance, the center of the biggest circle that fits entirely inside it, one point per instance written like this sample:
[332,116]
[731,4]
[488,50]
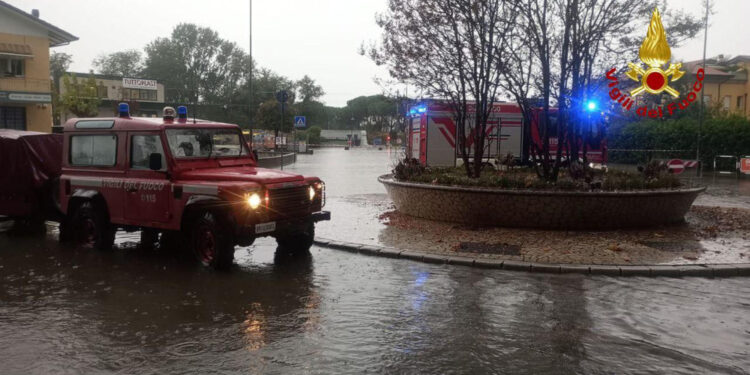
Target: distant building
[359,137]
[145,96]
[25,96]
[726,83]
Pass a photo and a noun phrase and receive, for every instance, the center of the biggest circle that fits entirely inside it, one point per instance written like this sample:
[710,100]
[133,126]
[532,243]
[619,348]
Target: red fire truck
[432,133]
[195,183]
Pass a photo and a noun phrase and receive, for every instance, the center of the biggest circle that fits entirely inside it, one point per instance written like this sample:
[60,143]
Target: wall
[36,75]
[35,80]
[541,209]
[39,117]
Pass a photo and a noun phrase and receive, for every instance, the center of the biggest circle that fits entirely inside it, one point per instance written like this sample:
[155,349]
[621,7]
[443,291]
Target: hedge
[721,135]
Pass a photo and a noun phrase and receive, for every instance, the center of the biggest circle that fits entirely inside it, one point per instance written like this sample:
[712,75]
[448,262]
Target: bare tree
[454,50]
[570,44]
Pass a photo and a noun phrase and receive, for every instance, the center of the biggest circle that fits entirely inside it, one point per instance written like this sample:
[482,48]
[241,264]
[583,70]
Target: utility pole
[701,111]
[250,73]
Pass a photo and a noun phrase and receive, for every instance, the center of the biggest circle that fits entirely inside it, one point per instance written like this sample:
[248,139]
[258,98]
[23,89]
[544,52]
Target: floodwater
[66,310]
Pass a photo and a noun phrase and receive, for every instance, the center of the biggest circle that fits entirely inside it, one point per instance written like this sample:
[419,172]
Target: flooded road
[68,310]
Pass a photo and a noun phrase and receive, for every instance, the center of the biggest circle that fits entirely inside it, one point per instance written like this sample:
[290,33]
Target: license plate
[265,227]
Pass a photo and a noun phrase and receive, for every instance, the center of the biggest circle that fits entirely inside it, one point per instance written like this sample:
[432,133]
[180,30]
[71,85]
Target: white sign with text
[136,83]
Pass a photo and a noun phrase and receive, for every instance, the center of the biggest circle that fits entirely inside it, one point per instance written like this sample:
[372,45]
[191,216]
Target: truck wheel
[211,242]
[91,228]
[297,242]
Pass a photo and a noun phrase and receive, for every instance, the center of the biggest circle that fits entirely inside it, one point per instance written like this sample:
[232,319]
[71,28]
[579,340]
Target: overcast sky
[297,37]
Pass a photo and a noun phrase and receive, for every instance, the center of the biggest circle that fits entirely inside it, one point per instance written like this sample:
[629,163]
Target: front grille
[289,202]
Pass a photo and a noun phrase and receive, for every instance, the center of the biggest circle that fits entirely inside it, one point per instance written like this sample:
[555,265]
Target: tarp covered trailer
[30,164]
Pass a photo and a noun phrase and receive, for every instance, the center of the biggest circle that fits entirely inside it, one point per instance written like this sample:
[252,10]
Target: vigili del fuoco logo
[655,53]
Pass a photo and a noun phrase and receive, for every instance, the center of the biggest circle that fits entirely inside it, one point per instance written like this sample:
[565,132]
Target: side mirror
[154,161]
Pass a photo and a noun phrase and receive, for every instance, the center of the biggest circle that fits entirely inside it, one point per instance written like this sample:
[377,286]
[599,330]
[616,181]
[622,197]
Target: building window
[11,67]
[739,102]
[138,94]
[93,150]
[726,102]
[707,99]
[13,118]
[101,91]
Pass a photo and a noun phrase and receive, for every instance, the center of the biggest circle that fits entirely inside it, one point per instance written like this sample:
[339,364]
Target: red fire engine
[432,133]
[196,183]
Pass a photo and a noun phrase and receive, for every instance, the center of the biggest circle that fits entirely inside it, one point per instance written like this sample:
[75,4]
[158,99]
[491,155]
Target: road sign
[676,166]
[745,165]
[300,122]
[282,96]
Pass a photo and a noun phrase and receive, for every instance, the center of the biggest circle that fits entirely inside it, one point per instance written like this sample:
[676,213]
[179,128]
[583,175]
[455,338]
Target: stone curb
[684,270]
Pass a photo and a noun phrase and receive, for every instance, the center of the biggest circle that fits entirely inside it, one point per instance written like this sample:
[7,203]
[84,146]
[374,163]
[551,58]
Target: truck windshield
[204,143]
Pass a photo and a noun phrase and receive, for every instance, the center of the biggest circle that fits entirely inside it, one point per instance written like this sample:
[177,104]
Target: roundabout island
[627,232]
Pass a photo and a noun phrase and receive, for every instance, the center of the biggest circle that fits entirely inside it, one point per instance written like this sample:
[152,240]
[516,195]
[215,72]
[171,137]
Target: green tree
[268,116]
[376,113]
[59,62]
[313,135]
[80,97]
[122,64]
[196,65]
[308,90]
[266,84]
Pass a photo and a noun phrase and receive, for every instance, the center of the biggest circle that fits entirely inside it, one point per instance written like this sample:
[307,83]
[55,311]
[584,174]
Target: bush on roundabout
[652,176]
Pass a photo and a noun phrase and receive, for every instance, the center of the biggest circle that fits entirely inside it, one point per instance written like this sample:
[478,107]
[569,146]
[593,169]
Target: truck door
[146,191]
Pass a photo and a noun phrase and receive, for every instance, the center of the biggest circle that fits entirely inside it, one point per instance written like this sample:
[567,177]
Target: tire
[90,227]
[298,242]
[210,241]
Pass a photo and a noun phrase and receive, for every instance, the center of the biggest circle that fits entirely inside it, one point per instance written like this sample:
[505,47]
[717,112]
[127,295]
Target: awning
[15,50]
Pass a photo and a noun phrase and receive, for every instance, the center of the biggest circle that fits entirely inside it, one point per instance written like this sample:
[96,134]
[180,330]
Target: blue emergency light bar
[123,109]
[182,113]
[418,110]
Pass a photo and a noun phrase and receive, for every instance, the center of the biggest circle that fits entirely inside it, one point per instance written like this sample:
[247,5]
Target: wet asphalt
[67,310]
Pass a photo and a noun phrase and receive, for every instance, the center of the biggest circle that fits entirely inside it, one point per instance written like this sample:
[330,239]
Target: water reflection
[137,311]
[162,304]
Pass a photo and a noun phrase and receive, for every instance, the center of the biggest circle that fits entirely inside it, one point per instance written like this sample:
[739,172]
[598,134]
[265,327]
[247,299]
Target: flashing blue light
[591,105]
[182,111]
[124,109]
[415,111]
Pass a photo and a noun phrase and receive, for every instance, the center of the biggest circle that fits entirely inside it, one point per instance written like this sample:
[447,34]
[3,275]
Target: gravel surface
[713,235]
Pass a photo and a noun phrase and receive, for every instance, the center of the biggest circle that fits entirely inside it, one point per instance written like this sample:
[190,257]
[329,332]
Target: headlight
[320,192]
[253,200]
[312,192]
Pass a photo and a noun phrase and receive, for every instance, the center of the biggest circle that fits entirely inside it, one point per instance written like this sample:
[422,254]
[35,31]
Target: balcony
[24,84]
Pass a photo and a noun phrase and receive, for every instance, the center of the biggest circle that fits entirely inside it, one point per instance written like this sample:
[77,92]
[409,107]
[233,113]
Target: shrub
[313,135]
[722,134]
[651,177]
[408,169]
